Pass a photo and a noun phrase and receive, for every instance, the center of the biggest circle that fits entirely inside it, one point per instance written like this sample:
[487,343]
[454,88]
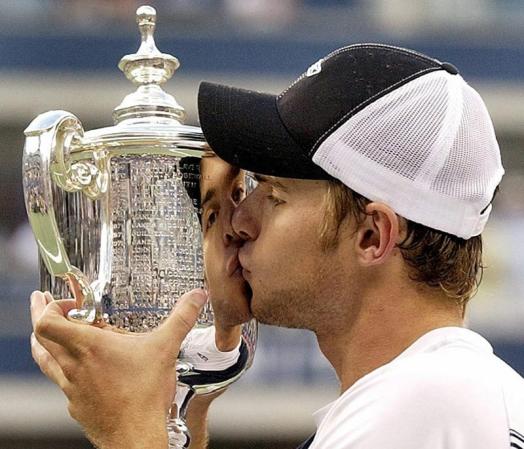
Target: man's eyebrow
[270,180]
[210,194]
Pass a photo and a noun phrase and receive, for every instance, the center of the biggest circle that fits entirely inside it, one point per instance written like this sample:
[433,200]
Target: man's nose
[244,221]
[229,236]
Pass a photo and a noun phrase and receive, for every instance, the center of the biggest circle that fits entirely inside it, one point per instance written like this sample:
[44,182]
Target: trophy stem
[177,430]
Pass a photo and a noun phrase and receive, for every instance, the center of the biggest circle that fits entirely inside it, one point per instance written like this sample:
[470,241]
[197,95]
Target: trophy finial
[145,15]
[148,68]
[148,65]
[146,19]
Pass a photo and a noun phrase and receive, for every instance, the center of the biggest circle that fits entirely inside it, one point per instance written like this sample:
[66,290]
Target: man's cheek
[208,252]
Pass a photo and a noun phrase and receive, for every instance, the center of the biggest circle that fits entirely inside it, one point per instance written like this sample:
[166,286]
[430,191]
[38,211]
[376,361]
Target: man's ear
[377,235]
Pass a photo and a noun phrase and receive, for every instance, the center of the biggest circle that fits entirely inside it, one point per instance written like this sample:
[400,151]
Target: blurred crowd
[397,16]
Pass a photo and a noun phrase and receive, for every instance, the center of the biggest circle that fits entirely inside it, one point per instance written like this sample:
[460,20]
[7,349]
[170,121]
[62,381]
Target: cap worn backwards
[392,124]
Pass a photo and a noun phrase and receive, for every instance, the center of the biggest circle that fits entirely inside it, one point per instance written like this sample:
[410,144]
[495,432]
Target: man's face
[292,277]
[222,188]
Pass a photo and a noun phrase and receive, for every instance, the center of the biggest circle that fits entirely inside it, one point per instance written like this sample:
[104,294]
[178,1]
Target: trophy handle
[49,138]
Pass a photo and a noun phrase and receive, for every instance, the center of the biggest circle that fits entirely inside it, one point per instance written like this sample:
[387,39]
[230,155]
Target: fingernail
[37,296]
[200,296]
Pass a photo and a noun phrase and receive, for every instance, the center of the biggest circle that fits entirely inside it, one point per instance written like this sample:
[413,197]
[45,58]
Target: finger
[53,324]
[183,317]
[47,364]
[40,300]
[64,356]
[49,298]
[38,304]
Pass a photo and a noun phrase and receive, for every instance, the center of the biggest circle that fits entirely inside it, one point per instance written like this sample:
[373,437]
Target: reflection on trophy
[115,212]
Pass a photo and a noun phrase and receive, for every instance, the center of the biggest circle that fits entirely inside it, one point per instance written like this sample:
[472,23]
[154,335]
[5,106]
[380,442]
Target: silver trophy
[116,217]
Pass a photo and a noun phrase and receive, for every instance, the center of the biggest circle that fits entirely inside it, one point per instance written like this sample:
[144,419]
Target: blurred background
[62,54]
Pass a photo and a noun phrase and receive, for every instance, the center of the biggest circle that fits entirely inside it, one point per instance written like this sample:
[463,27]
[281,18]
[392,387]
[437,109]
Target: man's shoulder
[456,387]
[454,379]
[423,400]
[454,373]
[451,381]
[454,383]
[449,392]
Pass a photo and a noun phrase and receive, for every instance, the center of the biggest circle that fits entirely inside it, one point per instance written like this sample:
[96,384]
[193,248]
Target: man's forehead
[217,176]
[216,170]
[282,183]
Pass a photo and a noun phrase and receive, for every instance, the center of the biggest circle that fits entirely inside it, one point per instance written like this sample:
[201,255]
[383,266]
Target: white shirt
[446,391]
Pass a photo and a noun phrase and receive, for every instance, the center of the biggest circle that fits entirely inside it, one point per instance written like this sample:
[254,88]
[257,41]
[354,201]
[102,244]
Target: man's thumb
[184,315]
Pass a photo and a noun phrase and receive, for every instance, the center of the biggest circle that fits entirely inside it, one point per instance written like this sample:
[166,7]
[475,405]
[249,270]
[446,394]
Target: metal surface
[148,68]
[47,143]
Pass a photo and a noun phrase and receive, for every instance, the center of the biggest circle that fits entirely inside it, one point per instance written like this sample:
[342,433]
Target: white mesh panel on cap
[475,132]
[427,149]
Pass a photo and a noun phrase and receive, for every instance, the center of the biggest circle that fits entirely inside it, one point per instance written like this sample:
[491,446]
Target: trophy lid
[148,117]
[148,68]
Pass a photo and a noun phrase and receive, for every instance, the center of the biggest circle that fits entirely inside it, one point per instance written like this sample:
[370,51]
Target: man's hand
[119,385]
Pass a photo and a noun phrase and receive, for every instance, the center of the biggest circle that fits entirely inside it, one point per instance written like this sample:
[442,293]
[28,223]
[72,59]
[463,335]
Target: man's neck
[383,329]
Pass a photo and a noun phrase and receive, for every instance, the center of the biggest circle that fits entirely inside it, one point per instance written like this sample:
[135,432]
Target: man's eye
[238,195]
[211,219]
[276,201]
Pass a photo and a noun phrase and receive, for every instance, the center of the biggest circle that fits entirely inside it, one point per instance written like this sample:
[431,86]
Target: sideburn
[340,204]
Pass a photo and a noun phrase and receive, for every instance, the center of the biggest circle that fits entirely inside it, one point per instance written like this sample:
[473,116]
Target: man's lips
[232,265]
[242,262]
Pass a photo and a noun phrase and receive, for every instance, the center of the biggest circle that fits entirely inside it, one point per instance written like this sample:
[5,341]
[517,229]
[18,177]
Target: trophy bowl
[115,213]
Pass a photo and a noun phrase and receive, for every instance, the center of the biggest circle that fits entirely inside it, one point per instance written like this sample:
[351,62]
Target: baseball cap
[392,124]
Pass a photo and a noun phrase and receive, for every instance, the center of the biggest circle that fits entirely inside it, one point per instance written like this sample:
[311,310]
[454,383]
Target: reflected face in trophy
[222,188]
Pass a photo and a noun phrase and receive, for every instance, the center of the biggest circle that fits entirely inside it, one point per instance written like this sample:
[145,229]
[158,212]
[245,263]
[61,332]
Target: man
[377,169]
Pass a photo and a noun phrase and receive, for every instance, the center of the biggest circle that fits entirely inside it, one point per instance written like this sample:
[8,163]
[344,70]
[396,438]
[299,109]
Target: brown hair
[435,258]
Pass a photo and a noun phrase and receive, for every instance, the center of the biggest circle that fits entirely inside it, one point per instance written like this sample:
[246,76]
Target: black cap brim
[244,128]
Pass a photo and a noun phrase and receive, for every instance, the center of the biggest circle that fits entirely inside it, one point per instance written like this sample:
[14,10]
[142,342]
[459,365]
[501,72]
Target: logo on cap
[315,68]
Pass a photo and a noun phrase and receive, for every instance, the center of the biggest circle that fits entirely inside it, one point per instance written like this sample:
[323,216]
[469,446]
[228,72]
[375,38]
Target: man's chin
[274,314]
[233,307]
